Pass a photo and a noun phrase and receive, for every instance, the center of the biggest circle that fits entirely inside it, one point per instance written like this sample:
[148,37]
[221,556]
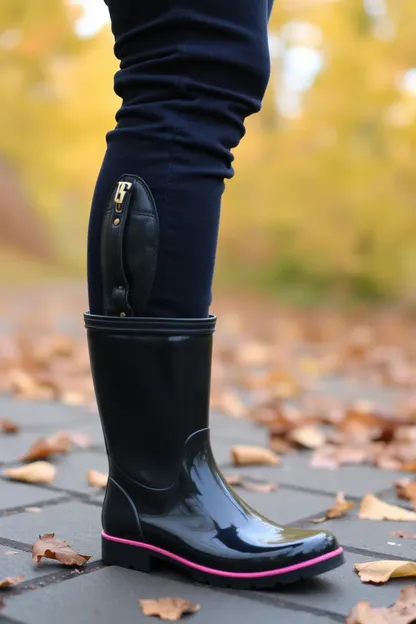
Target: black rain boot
[166,499]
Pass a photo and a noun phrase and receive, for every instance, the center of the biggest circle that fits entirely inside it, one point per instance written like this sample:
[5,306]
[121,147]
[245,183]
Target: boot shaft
[152,382]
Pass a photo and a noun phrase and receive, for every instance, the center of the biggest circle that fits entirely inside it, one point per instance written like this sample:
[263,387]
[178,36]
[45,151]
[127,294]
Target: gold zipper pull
[122,188]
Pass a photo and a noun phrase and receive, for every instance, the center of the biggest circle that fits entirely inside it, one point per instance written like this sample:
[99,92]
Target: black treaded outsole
[142,560]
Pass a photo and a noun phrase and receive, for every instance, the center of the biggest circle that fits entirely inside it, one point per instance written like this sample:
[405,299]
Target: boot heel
[126,556]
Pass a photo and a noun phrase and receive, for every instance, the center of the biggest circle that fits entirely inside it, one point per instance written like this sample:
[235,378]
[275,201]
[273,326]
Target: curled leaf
[308,436]
[250,485]
[9,581]
[97,479]
[402,612]
[50,548]
[252,455]
[381,571]
[8,426]
[403,534]
[59,442]
[37,472]
[372,508]
[168,609]
[406,489]
[339,509]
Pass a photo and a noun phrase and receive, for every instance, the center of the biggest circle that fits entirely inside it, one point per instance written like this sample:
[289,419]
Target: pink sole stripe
[166,553]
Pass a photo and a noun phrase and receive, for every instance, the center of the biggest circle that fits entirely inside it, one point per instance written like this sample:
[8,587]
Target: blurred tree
[334,188]
[54,90]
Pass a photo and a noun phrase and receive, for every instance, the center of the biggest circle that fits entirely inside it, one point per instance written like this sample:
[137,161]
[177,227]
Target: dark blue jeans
[191,71]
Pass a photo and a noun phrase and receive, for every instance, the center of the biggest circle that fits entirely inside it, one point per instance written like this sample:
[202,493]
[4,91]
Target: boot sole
[141,557]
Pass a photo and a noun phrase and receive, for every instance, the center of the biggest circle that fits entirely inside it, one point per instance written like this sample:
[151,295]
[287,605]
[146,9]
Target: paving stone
[353,480]
[341,589]
[76,522]
[21,563]
[15,494]
[286,506]
[111,595]
[72,470]
[373,535]
[39,414]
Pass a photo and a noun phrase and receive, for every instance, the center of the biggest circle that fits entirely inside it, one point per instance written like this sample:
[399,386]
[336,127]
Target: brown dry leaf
[168,609]
[403,534]
[252,455]
[340,507]
[8,426]
[308,436]
[385,569]
[372,508]
[81,440]
[37,472]
[9,581]
[2,604]
[59,442]
[402,612]
[405,488]
[236,480]
[263,487]
[50,548]
[280,445]
[97,479]
[230,403]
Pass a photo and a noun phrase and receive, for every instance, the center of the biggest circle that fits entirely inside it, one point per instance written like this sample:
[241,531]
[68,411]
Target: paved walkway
[71,509]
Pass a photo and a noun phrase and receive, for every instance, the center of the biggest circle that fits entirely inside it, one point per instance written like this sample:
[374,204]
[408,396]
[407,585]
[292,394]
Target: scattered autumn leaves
[168,609]
[402,612]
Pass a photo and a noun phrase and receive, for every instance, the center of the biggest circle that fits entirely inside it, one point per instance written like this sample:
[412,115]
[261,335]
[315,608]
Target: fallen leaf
[11,552]
[403,534]
[308,436]
[372,508]
[59,442]
[250,485]
[340,507]
[33,509]
[230,403]
[8,426]
[406,489]
[402,612]
[264,488]
[2,604]
[168,609]
[97,479]
[37,472]
[381,571]
[9,581]
[50,548]
[81,440]
[252,455]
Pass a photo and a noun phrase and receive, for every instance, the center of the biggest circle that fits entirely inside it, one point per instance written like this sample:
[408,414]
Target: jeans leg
[190,73]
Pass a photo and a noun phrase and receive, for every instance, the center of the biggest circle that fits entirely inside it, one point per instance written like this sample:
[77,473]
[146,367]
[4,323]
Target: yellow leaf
[252,455]
[97,479]
[37,472]
[383,570]
[372,508]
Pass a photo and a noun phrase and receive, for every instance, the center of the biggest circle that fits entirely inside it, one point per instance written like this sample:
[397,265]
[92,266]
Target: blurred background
[323,206]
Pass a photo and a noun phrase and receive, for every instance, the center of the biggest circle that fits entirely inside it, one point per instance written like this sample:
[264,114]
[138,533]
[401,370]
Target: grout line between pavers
[15,545]
[373,553]
[256,596]
[55,488]
[54,578]
[12,511]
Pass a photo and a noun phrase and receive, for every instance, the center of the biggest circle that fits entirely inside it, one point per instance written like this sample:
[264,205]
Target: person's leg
[191,72]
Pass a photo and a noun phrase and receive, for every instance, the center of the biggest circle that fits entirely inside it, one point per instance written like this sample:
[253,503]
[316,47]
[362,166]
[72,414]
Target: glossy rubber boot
[166,499]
